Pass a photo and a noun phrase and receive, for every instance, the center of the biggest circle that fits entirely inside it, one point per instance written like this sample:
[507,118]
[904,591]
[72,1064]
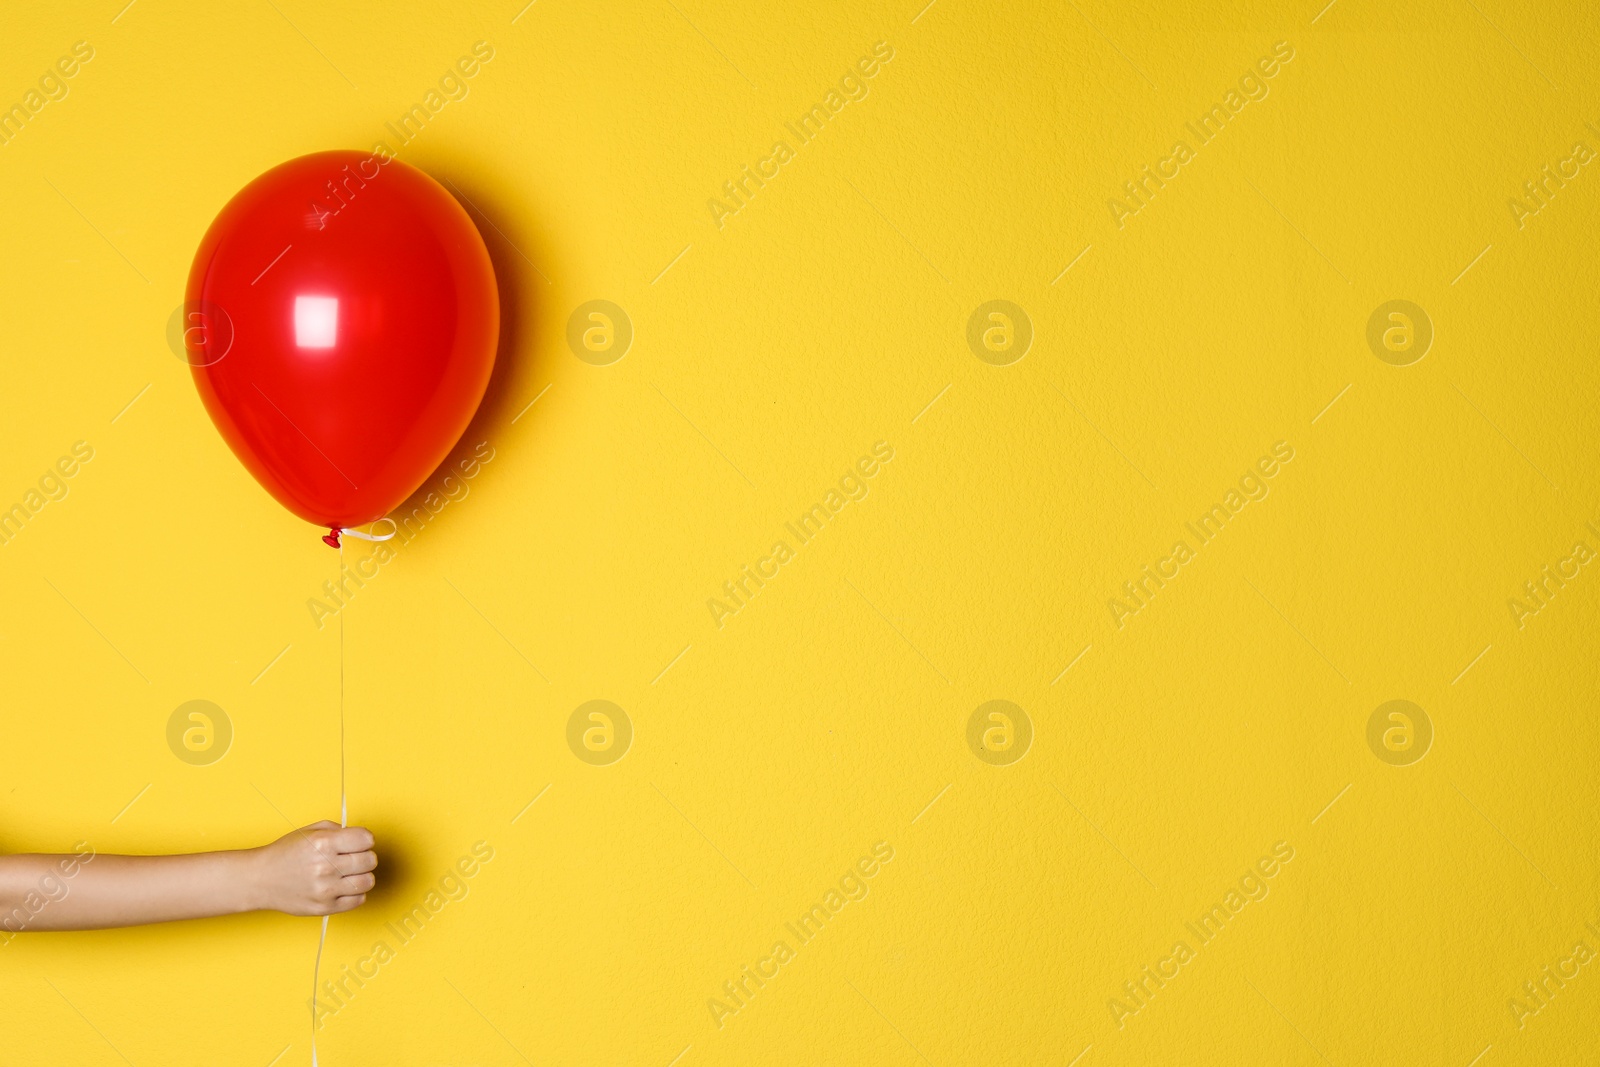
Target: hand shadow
[395,866]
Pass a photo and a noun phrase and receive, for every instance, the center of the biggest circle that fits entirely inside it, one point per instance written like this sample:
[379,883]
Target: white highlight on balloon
[316,321]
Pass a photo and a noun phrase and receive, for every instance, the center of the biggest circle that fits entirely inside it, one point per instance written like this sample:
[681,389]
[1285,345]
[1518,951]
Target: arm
[317,870]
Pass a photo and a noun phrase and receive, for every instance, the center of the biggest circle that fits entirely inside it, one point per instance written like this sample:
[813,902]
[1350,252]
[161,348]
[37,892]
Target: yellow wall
[1172,748]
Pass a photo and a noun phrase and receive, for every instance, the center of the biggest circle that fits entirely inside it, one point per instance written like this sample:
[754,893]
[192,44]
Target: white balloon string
[344,806]
[394,529]
[344,809]
[315,974]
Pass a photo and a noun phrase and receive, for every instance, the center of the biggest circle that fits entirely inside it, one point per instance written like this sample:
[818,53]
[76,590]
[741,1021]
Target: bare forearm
[315,870]
[35,894]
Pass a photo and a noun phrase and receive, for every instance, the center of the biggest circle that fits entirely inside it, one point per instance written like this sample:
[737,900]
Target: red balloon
[341,321]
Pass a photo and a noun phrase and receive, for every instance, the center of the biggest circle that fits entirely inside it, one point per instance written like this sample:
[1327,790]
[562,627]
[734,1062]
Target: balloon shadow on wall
[522,285]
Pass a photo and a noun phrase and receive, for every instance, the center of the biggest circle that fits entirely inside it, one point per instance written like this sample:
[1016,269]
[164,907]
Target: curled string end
[394,528]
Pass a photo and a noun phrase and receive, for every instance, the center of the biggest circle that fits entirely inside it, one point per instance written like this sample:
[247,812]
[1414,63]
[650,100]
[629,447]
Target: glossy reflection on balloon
[316,321]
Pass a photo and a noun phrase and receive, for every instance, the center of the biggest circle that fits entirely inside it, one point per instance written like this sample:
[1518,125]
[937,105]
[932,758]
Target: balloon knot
[331,538]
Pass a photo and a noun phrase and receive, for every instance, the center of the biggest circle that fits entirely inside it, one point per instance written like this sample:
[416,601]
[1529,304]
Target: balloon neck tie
[331,538]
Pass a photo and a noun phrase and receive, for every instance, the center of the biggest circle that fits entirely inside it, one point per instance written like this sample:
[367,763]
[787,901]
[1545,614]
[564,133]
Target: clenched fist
[316,870]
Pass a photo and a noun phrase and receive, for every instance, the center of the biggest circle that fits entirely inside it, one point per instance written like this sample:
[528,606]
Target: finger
[352,884]
[323,824]
[359,862]
[353,839]
[348,903]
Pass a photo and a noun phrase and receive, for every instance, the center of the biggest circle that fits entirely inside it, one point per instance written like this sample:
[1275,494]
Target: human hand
[315,870]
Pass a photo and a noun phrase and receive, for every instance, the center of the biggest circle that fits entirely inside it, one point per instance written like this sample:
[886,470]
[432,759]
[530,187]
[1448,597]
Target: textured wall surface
[1194,380]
